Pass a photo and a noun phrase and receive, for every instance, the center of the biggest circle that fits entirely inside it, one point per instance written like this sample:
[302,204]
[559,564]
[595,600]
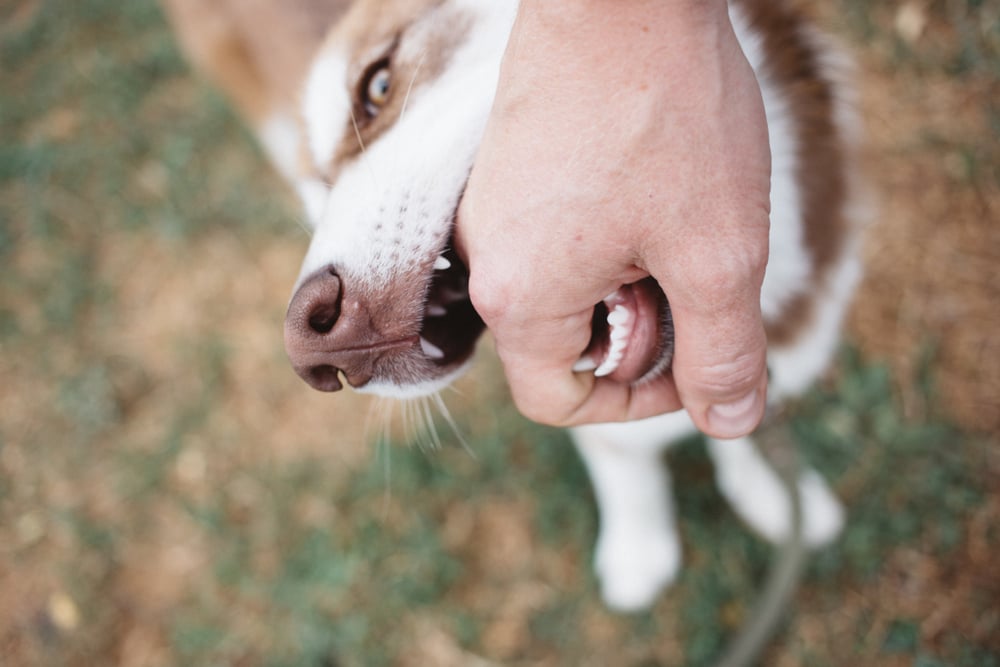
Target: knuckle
[727,379]
[716,274]
[550,408]
[543,413]
[495,296]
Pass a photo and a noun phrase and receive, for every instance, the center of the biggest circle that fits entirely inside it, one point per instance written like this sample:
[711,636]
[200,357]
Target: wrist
[622,37]
[604,16]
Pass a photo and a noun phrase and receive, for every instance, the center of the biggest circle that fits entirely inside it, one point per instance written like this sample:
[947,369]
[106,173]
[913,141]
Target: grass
[165,477]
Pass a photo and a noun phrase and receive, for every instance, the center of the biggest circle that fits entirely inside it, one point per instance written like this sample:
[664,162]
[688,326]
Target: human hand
[627,140]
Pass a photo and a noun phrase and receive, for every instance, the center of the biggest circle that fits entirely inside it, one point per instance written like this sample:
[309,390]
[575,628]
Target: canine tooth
[584,364]
[614,357]
[441,264]
[436,310]
[430,349]
[609,366]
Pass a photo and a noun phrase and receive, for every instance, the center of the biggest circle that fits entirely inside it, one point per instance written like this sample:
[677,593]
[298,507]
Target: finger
[546,392]
[539,343]
[720,358]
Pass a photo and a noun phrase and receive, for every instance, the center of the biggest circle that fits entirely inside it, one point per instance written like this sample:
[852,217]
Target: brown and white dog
[374,109]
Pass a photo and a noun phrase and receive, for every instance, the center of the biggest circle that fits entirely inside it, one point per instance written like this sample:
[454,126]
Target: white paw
[822,513]
[634,569]
[763,501]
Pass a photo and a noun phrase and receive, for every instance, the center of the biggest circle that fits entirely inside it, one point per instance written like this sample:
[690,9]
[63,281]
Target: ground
[171,494]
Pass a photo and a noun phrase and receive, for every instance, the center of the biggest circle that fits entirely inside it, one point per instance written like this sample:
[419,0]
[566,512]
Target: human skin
[627,139]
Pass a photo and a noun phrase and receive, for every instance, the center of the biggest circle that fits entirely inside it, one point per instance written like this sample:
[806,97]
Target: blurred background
[171,494]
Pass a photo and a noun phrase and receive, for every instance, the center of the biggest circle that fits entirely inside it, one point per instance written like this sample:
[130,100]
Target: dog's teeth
[619,337]
[618,316]
[619,330]
[610,364]
[584,364]
[441,264]
[436,310]
[430,349]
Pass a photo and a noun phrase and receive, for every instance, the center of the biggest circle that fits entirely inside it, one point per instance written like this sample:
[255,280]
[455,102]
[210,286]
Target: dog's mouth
[450,326]
[631,335]
[631,329]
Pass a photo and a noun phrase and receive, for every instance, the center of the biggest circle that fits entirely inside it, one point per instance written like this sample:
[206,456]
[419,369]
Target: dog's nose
[316,304]
[332,330]
[312,314]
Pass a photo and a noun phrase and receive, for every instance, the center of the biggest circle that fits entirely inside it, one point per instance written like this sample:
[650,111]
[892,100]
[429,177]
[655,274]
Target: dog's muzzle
[421,329]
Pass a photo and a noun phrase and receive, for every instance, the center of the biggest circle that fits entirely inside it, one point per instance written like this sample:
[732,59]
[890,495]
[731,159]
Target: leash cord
[783,577]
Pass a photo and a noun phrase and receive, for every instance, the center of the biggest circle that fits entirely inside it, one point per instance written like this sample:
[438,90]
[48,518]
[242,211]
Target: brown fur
[263,70]
[793,65]
[260,70]
[366,37]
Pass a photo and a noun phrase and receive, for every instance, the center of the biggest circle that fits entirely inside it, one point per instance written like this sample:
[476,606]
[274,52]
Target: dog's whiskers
[430,428]
[380,415]
[364,150]
[304,224]
[384,449]
[409,87]
[303,221]
[416,421]
[446,415]
[423,434]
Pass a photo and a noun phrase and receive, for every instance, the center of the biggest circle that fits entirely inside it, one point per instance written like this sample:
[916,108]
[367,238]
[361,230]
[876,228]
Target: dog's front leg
[756,493]
[638,552]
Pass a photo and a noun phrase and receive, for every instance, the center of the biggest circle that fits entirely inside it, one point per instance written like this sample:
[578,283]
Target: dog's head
[393,111]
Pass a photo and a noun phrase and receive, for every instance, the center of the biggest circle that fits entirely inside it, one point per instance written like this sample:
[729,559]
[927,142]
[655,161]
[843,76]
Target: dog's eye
[375,87]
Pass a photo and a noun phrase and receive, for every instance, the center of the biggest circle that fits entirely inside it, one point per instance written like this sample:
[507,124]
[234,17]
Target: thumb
[720,358]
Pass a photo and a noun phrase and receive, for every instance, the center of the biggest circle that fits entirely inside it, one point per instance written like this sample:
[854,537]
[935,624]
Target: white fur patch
[638,551]
[280,138]
[796,366]
[392,207]
[408,392]
[789,267]
[757,494]
[326,106]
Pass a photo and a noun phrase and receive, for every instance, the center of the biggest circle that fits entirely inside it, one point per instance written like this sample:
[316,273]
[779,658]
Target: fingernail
[732,420]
